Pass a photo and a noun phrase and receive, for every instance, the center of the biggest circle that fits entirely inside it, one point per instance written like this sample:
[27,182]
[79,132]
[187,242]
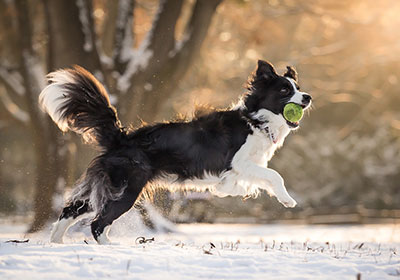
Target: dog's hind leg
[70,215]
[113,209]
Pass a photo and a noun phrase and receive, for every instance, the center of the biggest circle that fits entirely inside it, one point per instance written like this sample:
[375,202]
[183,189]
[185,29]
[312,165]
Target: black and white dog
[223,151]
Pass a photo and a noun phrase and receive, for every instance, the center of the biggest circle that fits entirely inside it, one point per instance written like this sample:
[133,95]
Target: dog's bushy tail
[77,101]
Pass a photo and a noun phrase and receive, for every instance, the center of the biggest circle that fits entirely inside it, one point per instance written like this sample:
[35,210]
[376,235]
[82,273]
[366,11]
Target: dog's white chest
[258,149]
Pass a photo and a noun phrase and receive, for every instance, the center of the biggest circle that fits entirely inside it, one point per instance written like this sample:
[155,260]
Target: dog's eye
[284,90]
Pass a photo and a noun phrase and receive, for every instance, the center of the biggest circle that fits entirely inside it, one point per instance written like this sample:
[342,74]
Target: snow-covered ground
[203,251]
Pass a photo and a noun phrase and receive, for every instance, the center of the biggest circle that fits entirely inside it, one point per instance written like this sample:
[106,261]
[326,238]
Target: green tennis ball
[293,112]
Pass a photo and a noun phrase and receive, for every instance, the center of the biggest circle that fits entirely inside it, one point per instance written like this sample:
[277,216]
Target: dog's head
[270,91]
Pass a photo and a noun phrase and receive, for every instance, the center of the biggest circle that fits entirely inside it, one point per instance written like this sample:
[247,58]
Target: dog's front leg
[275,183]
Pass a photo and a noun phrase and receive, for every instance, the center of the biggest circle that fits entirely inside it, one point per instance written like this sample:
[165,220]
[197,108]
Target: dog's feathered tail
[77,101]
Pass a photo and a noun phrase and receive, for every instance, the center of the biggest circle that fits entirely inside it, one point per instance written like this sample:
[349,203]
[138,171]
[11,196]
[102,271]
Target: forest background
[159,59]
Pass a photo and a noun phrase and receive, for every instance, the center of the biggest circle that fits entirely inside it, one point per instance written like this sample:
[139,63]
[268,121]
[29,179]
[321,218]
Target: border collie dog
[223,151]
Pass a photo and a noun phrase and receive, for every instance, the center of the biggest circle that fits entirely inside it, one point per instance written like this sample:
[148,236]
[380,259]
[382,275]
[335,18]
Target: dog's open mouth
[293,124]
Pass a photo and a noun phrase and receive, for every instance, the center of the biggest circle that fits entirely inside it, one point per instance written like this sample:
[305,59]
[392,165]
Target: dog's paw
[288,202]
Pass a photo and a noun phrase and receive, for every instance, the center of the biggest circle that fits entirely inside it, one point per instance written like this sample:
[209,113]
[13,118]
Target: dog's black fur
[131,159]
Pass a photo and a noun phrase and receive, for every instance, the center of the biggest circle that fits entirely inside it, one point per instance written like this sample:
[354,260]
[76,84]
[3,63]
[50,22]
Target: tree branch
[12,110]
[195,33]
[49,31]
[12,85]
[8,33]
[30,69]
[161,38]
[154,51]
[152,55]
[167,79]
[123,35]
[108,27]
[11,81]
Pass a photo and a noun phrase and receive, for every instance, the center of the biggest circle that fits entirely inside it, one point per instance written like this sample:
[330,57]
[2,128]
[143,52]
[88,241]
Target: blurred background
[158,59]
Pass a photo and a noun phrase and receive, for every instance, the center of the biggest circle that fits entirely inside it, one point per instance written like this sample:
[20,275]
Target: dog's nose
[306,98]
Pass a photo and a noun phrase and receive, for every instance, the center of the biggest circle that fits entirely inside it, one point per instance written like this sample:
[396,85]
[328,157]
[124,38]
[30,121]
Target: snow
[139,59]
[148,87]
[240,252]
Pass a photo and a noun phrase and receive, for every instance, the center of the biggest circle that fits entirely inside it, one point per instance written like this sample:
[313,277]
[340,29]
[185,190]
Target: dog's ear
[265,69]
[291,73]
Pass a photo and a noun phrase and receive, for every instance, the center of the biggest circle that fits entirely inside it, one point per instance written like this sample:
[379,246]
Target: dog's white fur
[298,95]
[52,96]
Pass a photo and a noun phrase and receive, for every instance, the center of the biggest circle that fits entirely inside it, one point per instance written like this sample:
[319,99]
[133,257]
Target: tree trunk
[72,39]
[44,148]
[47,175]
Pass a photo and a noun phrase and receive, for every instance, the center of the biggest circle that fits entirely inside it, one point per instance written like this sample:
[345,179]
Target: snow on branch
[84,18]
[13,81]
[123,37]
[178,57]
[13,109]
[162,35]
[195,33]
[139,60]
[179,44]
[154,49]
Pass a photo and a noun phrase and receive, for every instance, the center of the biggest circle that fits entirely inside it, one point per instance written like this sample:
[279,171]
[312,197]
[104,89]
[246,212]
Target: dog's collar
[261,125]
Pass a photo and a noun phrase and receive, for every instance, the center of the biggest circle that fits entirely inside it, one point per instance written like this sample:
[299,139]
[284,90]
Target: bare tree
[141,78]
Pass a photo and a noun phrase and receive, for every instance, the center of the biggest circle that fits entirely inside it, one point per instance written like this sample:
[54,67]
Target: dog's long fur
[224,151]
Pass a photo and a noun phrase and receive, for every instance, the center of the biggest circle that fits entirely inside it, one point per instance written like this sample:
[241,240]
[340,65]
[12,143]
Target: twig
[208,251]
[17,241]
[143,240]
[128,264]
